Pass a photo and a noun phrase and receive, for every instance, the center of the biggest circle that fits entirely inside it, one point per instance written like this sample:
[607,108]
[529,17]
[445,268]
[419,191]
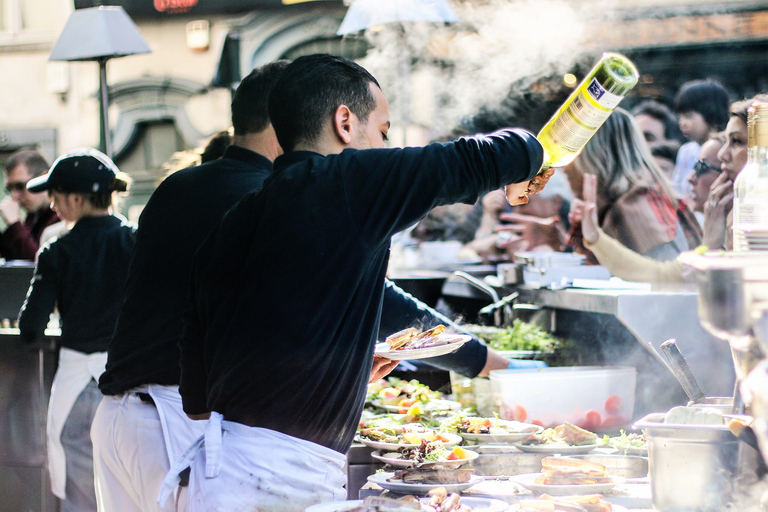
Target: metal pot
[691,466]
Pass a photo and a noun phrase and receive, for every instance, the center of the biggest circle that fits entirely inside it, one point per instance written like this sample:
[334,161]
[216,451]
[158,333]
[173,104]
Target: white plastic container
[592,397]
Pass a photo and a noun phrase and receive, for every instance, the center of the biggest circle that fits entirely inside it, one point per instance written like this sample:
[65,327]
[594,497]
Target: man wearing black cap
[83,274]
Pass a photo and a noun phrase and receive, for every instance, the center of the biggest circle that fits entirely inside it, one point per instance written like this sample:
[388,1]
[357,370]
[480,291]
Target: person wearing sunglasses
[705,171]
[21,240]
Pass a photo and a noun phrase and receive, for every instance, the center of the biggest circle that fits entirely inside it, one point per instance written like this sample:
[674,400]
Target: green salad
[520,336]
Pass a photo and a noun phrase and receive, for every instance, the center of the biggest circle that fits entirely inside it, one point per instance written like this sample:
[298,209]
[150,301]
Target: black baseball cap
[81,170]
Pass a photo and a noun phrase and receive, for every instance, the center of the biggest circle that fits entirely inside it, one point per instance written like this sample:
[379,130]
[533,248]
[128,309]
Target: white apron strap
[211,441]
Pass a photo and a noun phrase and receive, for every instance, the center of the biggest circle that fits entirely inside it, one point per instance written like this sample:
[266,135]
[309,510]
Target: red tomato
[594,419]
[613,404]
[615,421]
[487,422]
[452,456]
[520,414]
[537,422]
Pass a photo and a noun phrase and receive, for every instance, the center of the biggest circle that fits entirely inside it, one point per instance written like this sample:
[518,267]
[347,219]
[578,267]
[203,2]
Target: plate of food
[565,476]
[407,504]
[565,439]
[408,436]
[412,344]
[421,481]
[587,502]
[407,406]
[427,455]
[489,430]
[627,444]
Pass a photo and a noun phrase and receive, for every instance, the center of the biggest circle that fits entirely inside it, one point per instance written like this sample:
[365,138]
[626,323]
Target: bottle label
[602,96]
[588,110]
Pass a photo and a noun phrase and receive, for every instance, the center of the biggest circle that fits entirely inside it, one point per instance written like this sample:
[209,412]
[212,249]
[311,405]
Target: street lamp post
[100,34]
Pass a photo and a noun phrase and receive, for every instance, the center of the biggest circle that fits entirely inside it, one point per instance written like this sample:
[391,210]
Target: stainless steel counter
[625,327]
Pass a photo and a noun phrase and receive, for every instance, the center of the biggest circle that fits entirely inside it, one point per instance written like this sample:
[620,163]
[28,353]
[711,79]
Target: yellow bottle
[585,110]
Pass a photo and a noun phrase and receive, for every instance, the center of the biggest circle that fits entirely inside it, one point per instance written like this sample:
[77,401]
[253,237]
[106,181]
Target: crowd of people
[197,358]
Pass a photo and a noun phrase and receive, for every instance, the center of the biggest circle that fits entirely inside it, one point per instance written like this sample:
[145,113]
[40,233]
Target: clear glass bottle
[586,109]
[750,202]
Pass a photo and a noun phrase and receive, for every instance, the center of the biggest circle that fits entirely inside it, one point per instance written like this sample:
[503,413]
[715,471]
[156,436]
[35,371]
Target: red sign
[174,5]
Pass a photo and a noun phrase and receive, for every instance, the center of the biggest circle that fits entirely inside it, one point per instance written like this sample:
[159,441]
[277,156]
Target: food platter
[477,504]
[380,479]
[527,481]
[343,506]
[515,508]
[434,405]
[554,448]
[510,437]
[443,344]
[392,459]
[454,439]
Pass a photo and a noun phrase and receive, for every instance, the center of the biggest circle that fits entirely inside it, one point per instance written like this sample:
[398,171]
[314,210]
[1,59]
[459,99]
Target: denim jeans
[76,440]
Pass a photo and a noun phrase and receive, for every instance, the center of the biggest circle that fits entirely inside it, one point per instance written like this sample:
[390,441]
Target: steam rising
[470,66]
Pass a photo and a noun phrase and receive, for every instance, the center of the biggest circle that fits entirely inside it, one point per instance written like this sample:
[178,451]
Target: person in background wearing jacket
[21,240]
[83,274]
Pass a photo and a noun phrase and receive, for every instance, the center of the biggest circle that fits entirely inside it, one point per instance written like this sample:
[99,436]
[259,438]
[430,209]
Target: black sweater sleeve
[41,299]
[401,310]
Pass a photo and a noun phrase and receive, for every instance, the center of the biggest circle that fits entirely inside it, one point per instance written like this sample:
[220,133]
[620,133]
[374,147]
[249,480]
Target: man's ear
[343,121]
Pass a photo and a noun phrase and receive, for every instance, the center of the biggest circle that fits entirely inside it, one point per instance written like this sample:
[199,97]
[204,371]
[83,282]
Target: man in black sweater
[139,428]
[287,290]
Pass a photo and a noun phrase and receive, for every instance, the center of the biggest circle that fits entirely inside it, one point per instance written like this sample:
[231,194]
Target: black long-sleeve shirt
[84,274]
[287,290]
[402,310]
[177,218]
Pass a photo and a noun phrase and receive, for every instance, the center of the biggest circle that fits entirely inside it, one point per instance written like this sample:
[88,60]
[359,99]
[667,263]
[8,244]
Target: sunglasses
[701,168]
[18,186]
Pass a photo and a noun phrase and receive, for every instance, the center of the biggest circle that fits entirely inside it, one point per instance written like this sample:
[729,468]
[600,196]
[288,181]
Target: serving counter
[26,375]
[616,327]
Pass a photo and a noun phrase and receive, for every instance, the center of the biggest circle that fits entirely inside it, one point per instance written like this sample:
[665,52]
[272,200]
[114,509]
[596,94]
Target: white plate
[380,479]
[341,506]
[514,508]
[511,437]
[527,481]
[447,343]
[407,463]
[392,447]
[437,404]
[478,505]
[553,448]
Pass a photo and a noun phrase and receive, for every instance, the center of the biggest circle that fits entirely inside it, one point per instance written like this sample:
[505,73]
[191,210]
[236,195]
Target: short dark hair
[35,163]
[249,104]
[310,90]
[707,97]
[661,113]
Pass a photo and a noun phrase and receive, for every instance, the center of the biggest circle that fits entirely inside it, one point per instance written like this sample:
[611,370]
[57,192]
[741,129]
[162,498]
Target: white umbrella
[363,14]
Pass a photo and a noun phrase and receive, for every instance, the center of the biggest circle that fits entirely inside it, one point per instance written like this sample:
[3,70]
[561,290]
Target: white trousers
[133,446]
[238,468]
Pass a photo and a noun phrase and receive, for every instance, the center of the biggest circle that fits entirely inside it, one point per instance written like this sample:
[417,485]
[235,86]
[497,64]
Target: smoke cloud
[471,66]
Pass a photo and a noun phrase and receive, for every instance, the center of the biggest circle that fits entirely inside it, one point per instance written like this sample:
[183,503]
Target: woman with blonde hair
[636,202]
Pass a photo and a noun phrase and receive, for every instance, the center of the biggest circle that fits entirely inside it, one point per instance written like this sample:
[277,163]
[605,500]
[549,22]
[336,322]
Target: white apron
[235,467]
[179,432]
[75,371]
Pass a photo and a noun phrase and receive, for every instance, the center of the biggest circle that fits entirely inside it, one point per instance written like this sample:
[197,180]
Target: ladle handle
[682,371]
